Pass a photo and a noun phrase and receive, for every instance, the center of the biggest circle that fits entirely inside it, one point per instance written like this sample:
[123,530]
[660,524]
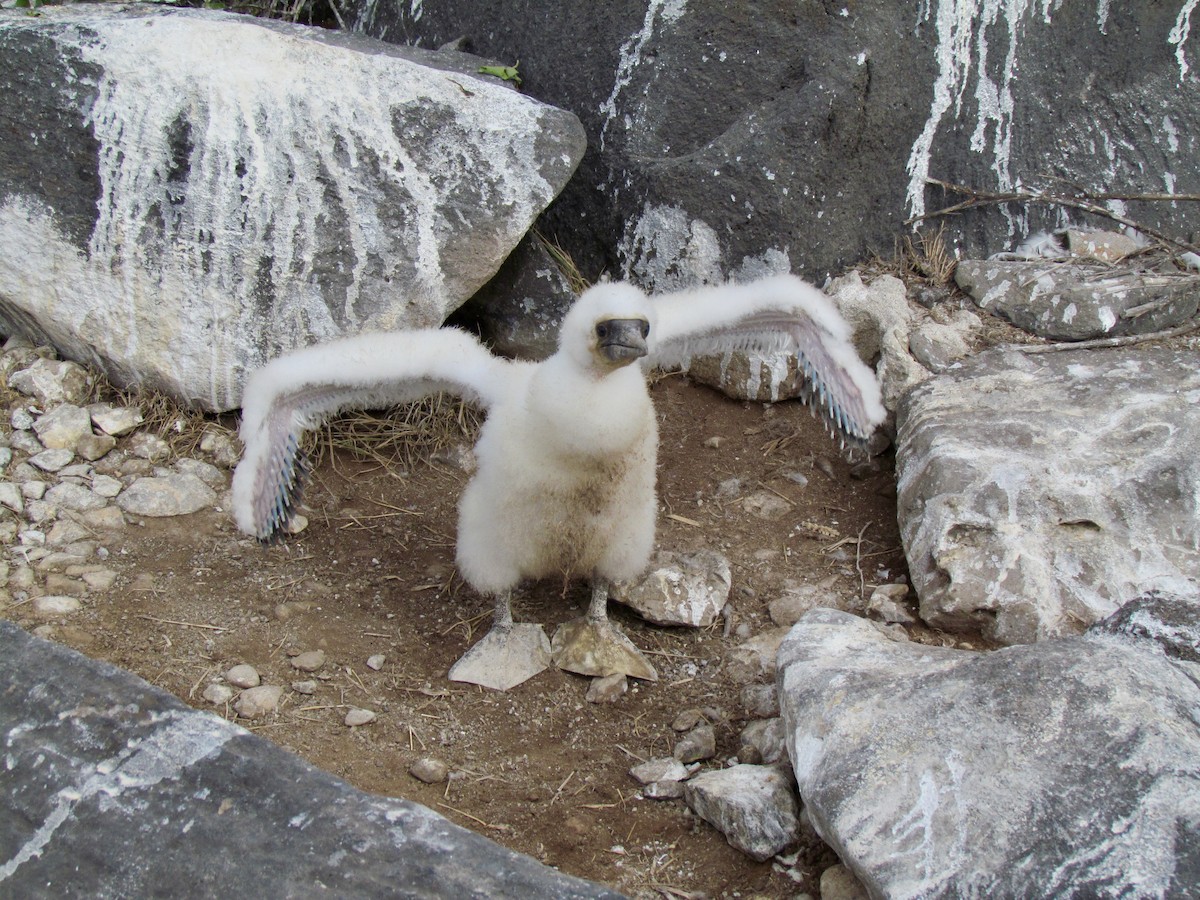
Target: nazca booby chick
[565,481]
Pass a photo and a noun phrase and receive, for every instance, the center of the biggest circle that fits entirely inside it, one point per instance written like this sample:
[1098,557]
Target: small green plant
[504,73]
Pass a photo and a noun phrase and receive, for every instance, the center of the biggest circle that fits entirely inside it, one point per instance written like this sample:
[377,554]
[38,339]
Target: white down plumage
[565,483]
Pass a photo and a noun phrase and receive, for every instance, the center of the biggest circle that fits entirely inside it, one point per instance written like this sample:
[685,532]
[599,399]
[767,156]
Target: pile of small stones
[74,473]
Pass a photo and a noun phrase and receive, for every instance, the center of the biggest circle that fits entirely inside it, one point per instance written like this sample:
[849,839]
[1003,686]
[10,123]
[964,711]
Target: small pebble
[661,769]
[687,720]
[218,694]
[698,744]
[309,661]
[663,790]
[376,661]
[53,605]
[359,717]
[429,770]
[52,460]
[304,687]
[243,676]
[258,701]
[714,442]
[608,689]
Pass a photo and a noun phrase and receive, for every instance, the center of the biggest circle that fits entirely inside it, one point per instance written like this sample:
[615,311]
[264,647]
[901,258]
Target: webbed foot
[505,657]
[591,646]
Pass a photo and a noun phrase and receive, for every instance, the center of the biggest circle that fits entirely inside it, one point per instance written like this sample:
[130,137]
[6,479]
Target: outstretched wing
[300,390]
[780,313]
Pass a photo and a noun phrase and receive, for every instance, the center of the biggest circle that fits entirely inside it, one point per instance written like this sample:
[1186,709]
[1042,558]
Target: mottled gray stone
[679,589]
[353,186]
[166,495]
[755,807]
[63,426]
[1069,765]
[51,381]
[665,768]
[115,420]
[74,496]
[1079,301]
[200,805]
[1037,492]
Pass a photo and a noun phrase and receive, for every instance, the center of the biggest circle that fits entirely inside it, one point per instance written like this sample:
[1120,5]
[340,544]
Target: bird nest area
[371,582]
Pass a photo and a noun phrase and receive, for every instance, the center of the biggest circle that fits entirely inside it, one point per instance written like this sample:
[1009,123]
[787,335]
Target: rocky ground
[336,642]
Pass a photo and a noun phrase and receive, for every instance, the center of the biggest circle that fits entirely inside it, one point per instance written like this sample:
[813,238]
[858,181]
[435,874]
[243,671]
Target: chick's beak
[622,340]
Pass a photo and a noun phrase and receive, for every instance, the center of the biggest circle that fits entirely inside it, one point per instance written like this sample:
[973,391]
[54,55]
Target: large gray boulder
[184,194]
[1037,492]
[729,140]
[113,788]
[1066,768]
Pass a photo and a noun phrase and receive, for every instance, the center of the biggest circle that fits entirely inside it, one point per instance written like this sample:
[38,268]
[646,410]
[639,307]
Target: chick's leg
[592,645]
[507,655]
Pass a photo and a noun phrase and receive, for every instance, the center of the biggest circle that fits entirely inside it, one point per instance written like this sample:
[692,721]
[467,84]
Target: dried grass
[926,256]
[565,263]
[397,438]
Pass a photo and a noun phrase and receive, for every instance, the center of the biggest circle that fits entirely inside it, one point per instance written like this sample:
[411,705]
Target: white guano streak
[272,156]
[631,55]
[962,49]
[1179,35]
[185,740]
[962,52]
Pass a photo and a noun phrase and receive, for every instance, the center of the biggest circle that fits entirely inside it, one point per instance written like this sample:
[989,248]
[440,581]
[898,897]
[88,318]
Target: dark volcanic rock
[729,138]
[113,788]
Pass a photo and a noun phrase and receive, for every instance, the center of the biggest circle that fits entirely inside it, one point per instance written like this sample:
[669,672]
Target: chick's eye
[602,331]
[645,329]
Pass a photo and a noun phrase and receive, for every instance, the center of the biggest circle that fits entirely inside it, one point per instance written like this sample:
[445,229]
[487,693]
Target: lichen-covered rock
[680,589]
[240,188]
[1077,301]
[1069,765]
[755,807]
[1037,492]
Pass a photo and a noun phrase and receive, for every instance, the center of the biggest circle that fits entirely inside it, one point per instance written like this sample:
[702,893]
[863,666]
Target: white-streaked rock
[1036,493]
[311,194]
[755,807]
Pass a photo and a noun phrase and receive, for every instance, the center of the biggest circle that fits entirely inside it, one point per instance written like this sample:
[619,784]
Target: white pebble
[218,694]
[304,687]
[243,676]
[55,605]
[359,717]
[258,701]
[376,662]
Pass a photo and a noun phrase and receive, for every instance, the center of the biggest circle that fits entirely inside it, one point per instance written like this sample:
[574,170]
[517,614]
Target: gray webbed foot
[506,656]
[592,645]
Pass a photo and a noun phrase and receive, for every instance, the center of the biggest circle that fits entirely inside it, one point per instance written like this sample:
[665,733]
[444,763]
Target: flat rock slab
[1077,301]
[1038,491]
[113,788]
[186,193]
[1066,768]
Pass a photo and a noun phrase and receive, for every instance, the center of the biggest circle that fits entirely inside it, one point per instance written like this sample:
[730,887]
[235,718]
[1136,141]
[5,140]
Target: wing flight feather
[300,390]
[780,313]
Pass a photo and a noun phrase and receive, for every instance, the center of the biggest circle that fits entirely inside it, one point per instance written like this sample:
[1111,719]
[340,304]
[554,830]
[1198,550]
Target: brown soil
[538,769]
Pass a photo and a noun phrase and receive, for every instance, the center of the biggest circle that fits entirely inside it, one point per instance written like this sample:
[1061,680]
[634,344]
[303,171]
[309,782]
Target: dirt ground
[538,769]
